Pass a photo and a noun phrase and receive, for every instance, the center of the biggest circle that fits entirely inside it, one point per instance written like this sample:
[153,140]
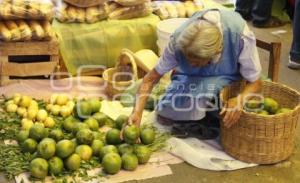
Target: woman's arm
[149,81]
[234,107]
[250,69]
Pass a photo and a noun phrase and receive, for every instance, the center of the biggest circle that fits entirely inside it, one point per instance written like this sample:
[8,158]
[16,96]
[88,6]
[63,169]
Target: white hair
[202,39]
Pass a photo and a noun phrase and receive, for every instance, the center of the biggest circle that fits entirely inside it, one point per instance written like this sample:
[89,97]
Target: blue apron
[191,88]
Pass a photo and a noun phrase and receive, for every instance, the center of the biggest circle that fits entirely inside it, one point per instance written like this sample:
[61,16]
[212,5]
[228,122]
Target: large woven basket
[85,3]
[258,138]
[123,75]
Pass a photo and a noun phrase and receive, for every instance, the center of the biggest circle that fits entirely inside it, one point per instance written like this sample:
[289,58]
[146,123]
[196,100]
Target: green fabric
[101,43]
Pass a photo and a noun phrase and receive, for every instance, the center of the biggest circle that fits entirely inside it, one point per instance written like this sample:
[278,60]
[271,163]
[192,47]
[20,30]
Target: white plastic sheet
[204,154]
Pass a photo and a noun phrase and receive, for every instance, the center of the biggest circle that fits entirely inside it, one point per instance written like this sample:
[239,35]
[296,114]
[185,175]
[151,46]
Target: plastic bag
[111,6]
[176,9]
[71,14]
[26,33]
[5,34]
[26,9]
[94,14]
[131,2]
[131,12]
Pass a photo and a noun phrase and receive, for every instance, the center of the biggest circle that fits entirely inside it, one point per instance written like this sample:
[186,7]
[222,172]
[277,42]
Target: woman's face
[197,62]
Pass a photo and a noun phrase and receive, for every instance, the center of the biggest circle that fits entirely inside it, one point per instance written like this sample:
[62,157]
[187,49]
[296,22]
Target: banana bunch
[167,9]
[72,14]
[26,9]
[21,30]
[128,9]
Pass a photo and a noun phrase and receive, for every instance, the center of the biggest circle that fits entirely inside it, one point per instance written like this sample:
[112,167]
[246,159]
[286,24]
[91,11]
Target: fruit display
[267,106]
[75,143]
[72,14]
[131,2]
[20,30]
[60,105]
[129,10]
[30,112]
[26,9]
[176,9]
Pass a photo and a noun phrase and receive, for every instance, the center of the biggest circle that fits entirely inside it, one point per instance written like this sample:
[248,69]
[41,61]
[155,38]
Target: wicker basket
[119,78]
[262,139]
[85,3]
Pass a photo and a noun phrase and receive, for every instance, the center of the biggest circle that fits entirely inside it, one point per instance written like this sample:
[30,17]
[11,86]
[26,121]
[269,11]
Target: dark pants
[295,50]
[257,10]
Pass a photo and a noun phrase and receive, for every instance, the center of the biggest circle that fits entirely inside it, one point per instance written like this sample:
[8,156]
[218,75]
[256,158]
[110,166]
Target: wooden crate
[21,51]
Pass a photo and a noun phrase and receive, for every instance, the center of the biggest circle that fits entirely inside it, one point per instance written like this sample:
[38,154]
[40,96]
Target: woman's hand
[135,119]
[232,111]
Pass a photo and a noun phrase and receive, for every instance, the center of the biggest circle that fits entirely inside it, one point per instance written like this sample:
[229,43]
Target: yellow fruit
[49,122]
[11,108]
[147,136]
[21,111]
[9,102]
[62,99]
[26,124]
[41,115]
[143,153]
[270,105]
[31,113]
[48,107]
[53,98]
[283,110]
[33,103]
[129,161]
[38,132]
[64,148]
[56,166]
[73,162]
[25,114]
[33,107]
[17,98]
[25,101]
[55,109]
[17,95]
[46,148]
[84,151]
[39,168]
[65,111]
[112,163]
[71,104]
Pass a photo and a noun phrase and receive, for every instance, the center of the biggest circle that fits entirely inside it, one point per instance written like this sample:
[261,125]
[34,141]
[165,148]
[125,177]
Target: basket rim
[271,115]
[296,108]
[105,77]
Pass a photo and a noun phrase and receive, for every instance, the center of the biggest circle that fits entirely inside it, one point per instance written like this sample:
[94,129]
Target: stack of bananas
[26,20]
[72,14]
[128,9]
[176,9]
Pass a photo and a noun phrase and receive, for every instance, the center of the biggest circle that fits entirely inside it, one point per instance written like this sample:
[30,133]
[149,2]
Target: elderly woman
[211,50]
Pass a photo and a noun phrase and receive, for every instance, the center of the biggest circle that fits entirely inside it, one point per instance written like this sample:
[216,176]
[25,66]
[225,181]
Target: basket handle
[131,61]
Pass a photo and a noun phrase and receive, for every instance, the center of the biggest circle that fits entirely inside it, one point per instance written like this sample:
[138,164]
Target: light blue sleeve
[167,61]
[250,66]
